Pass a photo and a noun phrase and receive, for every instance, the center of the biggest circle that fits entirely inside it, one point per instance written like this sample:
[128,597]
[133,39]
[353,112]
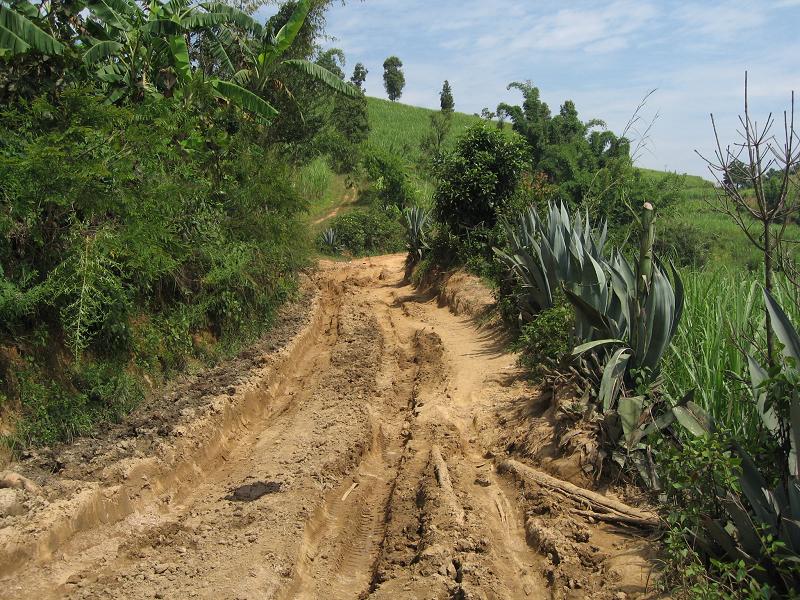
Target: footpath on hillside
[370,448]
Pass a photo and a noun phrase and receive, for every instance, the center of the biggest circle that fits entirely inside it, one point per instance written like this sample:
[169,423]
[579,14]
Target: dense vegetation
[682,374]
[157,163]
[151,209]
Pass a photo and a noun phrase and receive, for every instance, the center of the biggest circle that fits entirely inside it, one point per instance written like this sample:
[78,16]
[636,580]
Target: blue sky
[604,55]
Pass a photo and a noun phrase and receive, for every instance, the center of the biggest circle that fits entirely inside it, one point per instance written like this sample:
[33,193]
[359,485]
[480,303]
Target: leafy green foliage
[19,31]
[685,245]
[125,231]
[372,231]
[359,76]
[547,338]
[590,166]
[432,145]
[390,178]
[478,178]
[756,522]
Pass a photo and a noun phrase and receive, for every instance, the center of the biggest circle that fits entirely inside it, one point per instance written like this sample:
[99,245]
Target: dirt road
[359,460]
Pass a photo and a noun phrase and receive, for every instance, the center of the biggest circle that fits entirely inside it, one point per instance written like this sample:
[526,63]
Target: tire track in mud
[372,459]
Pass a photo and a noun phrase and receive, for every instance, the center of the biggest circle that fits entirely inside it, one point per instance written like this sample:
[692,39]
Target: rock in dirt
[9,479]
[254,491]
[11,503]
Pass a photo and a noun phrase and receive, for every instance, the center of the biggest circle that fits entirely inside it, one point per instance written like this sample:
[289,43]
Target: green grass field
[730,248]
[400,128]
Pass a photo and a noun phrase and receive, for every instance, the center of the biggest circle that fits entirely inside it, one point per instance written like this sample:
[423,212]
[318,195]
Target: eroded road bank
[360,460]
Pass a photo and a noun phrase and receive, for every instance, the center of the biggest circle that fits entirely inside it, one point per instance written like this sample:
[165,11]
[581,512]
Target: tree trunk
[768,284]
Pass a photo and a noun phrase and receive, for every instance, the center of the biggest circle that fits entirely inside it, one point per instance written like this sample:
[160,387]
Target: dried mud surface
[351,455]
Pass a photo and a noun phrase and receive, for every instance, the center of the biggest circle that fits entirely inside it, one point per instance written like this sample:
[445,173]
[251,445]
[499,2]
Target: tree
[393,79]
[359,76]
[763,215]
[254,64]
[446,98]
[478,179]
[432,143]
[333,60]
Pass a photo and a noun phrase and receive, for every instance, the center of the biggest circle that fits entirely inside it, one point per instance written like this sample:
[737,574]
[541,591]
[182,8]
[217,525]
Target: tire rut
[368,471]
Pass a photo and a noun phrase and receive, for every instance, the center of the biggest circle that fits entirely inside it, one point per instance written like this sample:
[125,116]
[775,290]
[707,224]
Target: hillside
[401,127]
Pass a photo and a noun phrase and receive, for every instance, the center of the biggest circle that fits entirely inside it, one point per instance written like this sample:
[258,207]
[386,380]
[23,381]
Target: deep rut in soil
[367,471]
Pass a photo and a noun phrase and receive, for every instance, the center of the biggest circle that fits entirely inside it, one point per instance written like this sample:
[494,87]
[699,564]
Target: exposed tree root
[600,507]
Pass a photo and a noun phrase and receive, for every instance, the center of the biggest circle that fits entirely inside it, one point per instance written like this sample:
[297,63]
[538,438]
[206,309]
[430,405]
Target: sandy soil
[354,456]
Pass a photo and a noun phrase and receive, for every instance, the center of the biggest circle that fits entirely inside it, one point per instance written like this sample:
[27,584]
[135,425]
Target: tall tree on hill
[393,79]
[446,98]
[359,76]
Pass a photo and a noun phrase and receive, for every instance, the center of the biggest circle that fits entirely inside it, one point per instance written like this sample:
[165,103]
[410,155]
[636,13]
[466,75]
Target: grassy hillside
[400,128]
[729,246]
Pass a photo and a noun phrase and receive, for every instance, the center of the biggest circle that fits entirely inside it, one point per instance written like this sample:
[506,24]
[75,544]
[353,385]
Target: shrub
[125,230]
[372,231]
[389,174]
[478,178]
[685,244]
[546,339]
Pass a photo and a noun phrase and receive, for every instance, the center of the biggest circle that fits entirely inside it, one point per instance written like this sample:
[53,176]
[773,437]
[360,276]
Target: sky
[604,55]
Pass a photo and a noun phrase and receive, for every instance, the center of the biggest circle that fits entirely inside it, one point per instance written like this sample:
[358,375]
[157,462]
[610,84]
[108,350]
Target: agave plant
[633,312]
[780,415]
[328,240]
[543,255]
[629,315]
[416,232]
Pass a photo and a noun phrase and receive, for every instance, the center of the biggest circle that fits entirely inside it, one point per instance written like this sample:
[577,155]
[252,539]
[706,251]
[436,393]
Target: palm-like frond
[235,16]
[107,15]
[101,50]
[244,99]
[322,75]
[180,56]
[198,20]
[221,55]
[285,36]
[20,34]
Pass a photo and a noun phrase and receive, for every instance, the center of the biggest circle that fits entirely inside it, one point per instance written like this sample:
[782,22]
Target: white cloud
[603,55]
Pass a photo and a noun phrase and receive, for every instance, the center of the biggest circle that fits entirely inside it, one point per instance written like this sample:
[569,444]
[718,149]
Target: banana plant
[543,255]
[139,50]
[416,232]
[251,61]
[20,33]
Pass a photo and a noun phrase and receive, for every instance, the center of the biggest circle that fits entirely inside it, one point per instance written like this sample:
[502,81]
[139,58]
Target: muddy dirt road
[360,460]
